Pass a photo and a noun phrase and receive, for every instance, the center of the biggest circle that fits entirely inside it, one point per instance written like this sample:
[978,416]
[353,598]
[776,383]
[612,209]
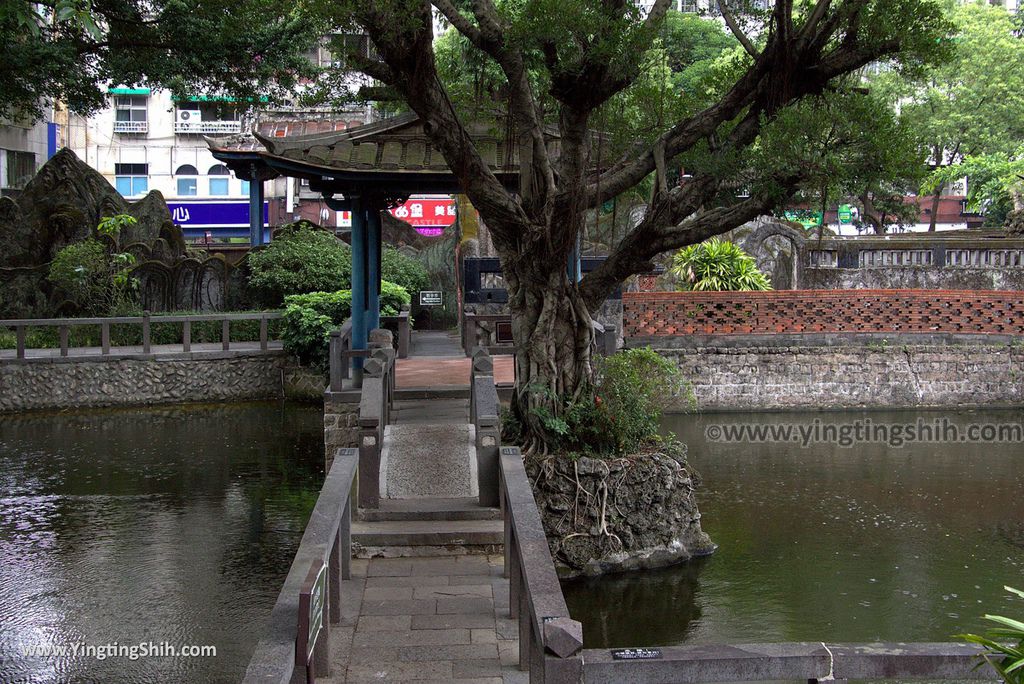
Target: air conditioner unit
[189,116]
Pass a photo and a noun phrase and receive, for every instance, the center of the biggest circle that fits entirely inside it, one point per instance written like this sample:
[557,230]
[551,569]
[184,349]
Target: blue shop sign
[214,214]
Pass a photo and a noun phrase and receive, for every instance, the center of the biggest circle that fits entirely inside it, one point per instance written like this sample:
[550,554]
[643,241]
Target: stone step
[407,533]
[429,509]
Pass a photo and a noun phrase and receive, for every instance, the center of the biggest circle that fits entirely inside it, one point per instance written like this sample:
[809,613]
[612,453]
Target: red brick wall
[666,314]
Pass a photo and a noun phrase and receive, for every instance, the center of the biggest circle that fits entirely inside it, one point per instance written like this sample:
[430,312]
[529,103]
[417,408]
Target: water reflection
[829,543]
[155,525]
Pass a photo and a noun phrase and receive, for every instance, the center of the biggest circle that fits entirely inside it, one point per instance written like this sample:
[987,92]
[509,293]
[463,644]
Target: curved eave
[354,180]
[245,162]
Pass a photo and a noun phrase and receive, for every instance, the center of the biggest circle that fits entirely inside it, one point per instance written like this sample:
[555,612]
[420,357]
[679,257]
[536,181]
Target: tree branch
[730,21]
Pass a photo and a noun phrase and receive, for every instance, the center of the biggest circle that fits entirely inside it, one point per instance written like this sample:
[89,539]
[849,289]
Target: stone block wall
[58,383]
[341,424]
[830,373]
[654,315]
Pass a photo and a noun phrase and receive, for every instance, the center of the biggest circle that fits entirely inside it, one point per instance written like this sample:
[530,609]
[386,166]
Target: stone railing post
[373,408]
[145,332]
[484,414]
[404,332]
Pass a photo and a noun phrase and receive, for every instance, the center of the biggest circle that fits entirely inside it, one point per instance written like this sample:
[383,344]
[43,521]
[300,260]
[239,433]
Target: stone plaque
[636,654]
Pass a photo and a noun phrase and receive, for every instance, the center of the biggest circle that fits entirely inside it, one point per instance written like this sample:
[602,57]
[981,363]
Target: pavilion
[364,170]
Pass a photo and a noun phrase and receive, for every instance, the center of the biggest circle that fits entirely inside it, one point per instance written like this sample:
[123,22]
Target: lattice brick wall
[647,314]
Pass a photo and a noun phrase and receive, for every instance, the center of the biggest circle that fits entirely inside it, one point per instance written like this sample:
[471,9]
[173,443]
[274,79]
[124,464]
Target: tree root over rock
[618,514]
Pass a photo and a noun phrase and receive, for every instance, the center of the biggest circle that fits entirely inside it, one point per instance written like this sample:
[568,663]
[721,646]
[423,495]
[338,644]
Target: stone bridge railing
[295,645]
[145,322]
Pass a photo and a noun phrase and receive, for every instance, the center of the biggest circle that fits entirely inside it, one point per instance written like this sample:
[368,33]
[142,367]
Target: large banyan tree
[561,65]
[744,128]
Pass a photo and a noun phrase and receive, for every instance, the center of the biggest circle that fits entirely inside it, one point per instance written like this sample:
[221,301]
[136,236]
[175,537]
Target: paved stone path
[429,460]
[435,619]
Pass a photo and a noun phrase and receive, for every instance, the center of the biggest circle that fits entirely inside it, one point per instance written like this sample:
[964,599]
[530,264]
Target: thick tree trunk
[554,335]
[934,217]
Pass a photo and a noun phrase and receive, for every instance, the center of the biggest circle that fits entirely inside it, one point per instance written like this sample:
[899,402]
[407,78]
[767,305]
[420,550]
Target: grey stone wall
[913,278]
[835,373]
[341,425]
[56,383]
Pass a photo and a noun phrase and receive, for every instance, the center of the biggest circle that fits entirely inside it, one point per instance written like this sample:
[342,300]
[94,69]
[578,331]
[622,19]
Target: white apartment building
[24,147]
[146,141]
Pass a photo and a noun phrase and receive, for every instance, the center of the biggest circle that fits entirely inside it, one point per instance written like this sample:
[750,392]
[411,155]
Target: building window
[19,168]
[689,6]
[188,183]
[131,179]
[130,114]
[220,177]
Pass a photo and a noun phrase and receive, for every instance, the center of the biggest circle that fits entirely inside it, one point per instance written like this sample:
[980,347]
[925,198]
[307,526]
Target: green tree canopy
[970,105]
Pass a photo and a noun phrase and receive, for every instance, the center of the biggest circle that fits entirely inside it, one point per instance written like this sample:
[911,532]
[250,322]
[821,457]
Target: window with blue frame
[188,181]
[131,179]
[219,179]
[245,188]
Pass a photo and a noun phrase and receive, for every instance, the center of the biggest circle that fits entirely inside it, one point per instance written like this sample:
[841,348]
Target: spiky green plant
[717,265]
[1004,645]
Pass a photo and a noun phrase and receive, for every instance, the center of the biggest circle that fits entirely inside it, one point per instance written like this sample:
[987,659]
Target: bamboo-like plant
[1004,645]
[717,265]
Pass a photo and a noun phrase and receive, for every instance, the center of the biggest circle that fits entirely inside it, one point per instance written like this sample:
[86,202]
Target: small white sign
[430,298]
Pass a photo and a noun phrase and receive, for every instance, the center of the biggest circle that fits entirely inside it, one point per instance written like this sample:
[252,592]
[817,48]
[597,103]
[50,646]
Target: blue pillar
[255,210]
[373,239]
[359,329]
[573,268]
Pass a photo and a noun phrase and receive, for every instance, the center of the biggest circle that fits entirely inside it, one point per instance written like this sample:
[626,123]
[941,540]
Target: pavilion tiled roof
[396,145]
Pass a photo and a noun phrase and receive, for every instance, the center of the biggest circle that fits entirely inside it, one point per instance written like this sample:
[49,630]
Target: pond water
[163,525]
[866,542]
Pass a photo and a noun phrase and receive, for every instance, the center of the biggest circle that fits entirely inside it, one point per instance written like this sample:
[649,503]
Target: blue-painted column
[573,268]
[255,210]
[373,240]
[359,298]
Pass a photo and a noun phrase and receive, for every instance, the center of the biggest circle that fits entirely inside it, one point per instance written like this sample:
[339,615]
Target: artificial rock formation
[63,204]
[619,514]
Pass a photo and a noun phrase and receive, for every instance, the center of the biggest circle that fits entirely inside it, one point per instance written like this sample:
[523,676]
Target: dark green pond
[173,525]
[827,543]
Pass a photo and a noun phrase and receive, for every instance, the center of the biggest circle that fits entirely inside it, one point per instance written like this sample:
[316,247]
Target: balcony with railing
[131,126]
[208,127]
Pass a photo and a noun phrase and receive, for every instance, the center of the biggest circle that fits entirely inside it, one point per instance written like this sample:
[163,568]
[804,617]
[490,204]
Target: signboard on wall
[428,214]
[199,214]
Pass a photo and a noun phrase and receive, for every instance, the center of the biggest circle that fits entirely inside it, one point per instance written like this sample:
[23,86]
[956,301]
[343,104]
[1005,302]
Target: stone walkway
[434,619]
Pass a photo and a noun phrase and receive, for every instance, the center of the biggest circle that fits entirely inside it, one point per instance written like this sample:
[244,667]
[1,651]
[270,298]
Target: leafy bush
[399,269]
[79,271]
[621,415]
[309,319]
[297,261]
[717,265]
[1004,645]
[92,280]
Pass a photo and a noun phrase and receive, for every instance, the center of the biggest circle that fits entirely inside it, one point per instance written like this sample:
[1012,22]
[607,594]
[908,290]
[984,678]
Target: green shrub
[81,273]
[91,279]
[717,265]
[300,260]
[399,269]
[632,389]
[309,319]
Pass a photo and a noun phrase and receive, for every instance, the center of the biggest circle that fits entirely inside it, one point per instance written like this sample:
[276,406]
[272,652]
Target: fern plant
[717,265]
